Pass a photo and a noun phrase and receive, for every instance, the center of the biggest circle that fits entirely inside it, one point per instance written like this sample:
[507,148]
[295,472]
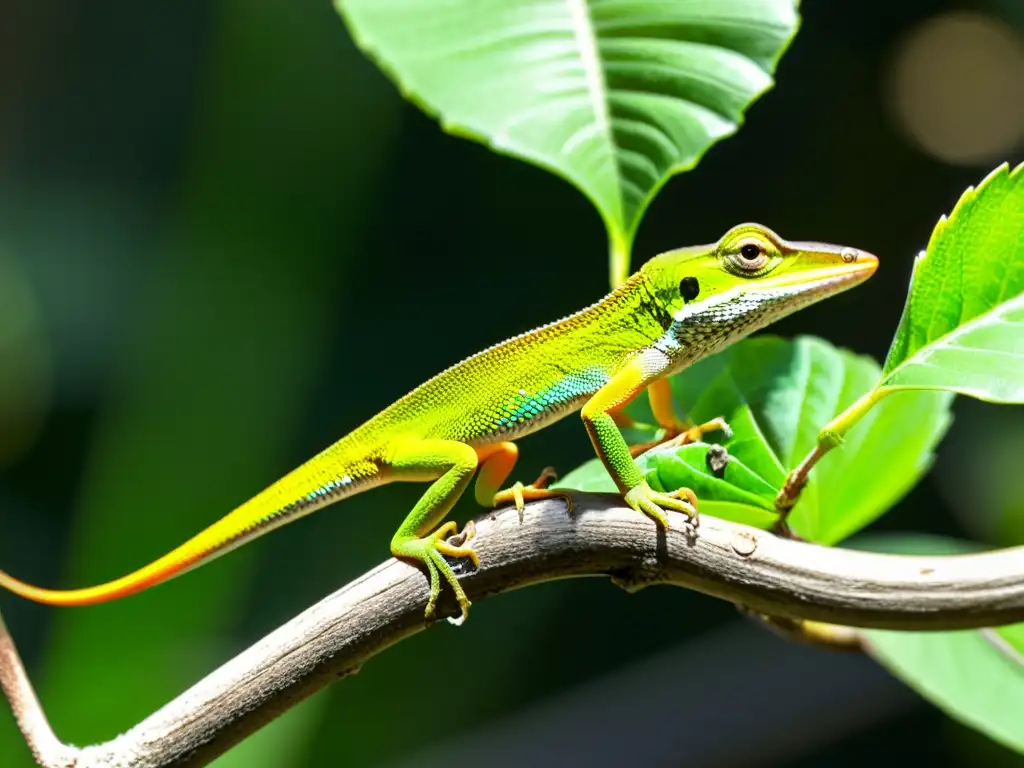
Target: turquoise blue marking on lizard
[524,406]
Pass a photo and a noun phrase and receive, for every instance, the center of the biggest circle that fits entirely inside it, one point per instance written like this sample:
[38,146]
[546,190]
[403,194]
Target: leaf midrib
[597,87]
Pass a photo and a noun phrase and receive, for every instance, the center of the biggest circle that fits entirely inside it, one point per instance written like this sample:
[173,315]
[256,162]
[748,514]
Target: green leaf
[613,95]
[593,478]
[776,394]
[964,673]
[963,324]
[1013,637]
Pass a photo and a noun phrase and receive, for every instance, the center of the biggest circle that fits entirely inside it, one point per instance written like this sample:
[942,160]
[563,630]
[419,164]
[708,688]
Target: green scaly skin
[680,307]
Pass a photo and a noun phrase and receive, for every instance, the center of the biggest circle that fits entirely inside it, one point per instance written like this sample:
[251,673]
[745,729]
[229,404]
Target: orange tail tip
[260,514]
[38,594]
[102,593]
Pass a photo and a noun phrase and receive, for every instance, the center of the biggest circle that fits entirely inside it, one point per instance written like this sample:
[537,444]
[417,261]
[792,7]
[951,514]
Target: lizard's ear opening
[689,288]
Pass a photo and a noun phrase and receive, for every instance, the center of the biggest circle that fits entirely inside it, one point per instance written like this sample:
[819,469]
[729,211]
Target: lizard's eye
[750,256]
[750,252]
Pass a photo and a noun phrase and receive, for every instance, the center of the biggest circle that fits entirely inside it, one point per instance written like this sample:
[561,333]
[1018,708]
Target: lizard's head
[716,294]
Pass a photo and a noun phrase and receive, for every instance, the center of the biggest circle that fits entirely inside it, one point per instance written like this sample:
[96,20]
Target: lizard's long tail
[308,488]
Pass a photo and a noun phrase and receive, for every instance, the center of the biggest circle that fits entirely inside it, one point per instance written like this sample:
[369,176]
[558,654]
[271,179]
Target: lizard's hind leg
[450,465]
[497,462]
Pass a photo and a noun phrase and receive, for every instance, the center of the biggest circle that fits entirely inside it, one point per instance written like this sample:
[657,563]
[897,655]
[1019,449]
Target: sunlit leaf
[613,95]
[963,324]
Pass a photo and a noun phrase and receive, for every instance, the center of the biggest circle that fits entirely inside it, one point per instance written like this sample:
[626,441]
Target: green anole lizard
[681,306]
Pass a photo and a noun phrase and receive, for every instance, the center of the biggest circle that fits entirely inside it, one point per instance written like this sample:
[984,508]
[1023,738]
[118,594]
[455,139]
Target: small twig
[795,483]
[773,576]
[786,499]
[830,436]
[47,750]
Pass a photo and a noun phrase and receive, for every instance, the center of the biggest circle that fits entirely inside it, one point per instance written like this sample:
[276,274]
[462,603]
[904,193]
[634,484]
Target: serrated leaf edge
[969,196]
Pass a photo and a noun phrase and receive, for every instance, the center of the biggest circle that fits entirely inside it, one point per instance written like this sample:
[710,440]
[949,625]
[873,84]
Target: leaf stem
[830,436]
[619,247]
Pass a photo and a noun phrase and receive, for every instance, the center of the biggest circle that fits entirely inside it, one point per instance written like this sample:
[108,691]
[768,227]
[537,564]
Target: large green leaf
[613,95]
[965,673]
[776,394]
[963,324]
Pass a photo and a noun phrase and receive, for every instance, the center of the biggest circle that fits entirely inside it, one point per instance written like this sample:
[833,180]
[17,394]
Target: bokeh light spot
[956,88]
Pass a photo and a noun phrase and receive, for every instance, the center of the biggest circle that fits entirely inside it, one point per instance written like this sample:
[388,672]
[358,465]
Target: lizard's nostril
[849,255]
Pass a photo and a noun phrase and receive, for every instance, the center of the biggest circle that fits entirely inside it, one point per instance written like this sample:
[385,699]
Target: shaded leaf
[592,477]
[964,673]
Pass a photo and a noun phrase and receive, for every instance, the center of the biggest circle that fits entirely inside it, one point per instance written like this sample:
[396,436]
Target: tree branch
[769,575]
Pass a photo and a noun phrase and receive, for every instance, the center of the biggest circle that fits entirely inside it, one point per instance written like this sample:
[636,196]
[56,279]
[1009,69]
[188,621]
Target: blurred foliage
[26,380]
[241,243]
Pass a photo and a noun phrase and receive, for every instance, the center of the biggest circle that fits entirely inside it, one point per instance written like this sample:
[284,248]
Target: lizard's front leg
[612,449]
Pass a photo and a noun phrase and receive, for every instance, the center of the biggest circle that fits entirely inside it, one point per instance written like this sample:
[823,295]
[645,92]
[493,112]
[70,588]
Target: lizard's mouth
[815,274]
[815,277]
[820,273]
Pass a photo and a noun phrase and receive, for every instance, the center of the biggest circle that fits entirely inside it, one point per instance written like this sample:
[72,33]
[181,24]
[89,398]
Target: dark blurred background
[225,240]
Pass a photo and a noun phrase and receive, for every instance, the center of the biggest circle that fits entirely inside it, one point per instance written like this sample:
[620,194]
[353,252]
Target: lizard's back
[526,382]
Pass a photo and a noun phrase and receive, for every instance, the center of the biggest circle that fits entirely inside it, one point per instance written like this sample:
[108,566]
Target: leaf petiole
[830,436]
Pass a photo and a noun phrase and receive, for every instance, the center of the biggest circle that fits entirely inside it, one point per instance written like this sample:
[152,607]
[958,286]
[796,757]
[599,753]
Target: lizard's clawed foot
[431,551]
[683,435]
[462,549]
[653,503]
[520,494]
